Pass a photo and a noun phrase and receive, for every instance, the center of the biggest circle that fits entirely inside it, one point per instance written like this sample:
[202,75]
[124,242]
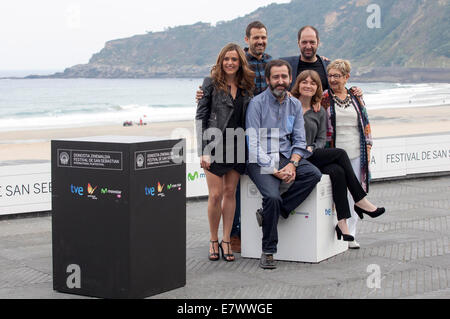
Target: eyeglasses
[336,76]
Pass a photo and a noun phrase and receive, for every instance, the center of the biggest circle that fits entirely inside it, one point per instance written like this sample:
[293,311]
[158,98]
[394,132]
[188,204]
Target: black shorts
[221,169]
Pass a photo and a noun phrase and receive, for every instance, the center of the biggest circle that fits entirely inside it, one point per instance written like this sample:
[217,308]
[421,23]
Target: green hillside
[413,34]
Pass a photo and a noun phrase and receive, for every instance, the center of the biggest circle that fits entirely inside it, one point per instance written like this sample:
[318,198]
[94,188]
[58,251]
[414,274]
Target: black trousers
[335,163]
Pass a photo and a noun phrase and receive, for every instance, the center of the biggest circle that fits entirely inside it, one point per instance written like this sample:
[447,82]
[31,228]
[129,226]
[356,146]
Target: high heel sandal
[226,256]
[214,256]
[379,211]
[345,236]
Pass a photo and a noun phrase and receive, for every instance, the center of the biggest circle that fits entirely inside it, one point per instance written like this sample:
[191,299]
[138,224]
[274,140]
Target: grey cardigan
[315,128]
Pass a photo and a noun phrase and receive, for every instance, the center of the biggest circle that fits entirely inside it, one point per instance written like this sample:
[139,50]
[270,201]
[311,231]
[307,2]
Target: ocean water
[57,103]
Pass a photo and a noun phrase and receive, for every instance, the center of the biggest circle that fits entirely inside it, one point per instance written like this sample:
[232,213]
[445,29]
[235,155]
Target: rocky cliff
[409,35]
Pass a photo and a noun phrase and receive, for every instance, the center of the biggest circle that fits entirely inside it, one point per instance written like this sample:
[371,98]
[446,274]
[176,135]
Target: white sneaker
[353,245]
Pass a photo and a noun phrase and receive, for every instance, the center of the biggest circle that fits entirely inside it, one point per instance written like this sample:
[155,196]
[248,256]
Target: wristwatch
[294,162]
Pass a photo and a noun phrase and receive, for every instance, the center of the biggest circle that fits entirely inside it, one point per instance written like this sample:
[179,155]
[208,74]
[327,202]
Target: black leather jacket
[214,110]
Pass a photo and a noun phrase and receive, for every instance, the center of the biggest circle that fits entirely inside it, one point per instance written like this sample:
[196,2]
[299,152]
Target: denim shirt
[284,124]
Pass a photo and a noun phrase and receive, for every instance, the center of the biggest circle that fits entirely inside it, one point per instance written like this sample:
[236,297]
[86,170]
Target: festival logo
[64,158]
[91,190]
[152,191]
[149,191]
[305,214]
[78,190]
[160,190]
[116,193]
[176,187]
[140,160]
[195,175]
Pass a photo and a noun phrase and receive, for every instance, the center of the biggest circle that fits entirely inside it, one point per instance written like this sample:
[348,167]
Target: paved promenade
[409,244]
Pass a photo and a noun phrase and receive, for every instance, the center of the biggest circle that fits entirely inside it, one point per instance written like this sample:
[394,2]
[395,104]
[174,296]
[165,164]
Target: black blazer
[294,60]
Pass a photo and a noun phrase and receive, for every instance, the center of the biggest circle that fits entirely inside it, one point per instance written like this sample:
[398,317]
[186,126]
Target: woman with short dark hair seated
[331,161]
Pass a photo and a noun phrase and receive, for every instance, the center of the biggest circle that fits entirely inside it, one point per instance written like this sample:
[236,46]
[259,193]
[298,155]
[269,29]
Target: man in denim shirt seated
[277,152]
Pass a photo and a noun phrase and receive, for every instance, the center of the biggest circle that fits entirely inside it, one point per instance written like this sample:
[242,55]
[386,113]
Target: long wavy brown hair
[244,76]
[316,78]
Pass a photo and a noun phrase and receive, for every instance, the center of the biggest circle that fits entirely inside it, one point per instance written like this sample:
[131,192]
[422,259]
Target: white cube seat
[308,235]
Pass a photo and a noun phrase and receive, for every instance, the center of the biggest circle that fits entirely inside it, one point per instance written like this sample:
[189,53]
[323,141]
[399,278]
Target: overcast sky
[55,34]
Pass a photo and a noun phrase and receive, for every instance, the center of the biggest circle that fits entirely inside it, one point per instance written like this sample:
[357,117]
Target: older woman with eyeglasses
[349,129]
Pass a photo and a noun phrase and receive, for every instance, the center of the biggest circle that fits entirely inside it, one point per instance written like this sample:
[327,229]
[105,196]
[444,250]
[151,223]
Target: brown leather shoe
[235,244]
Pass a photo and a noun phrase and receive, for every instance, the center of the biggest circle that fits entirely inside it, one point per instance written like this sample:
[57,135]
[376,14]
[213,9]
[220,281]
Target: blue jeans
[274,204]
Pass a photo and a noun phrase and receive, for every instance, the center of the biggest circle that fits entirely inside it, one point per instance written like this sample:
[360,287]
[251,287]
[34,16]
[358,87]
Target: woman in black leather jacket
[220,122]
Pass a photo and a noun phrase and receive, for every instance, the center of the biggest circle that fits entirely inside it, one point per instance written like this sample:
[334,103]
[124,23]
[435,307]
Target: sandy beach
[35,144]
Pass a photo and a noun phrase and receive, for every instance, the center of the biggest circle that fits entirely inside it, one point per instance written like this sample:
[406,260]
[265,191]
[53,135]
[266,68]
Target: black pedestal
[118,216]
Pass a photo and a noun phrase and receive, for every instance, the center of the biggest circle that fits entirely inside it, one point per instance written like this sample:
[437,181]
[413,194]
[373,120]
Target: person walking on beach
[331,161]
[349,129]
[220,112]
[274,118]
